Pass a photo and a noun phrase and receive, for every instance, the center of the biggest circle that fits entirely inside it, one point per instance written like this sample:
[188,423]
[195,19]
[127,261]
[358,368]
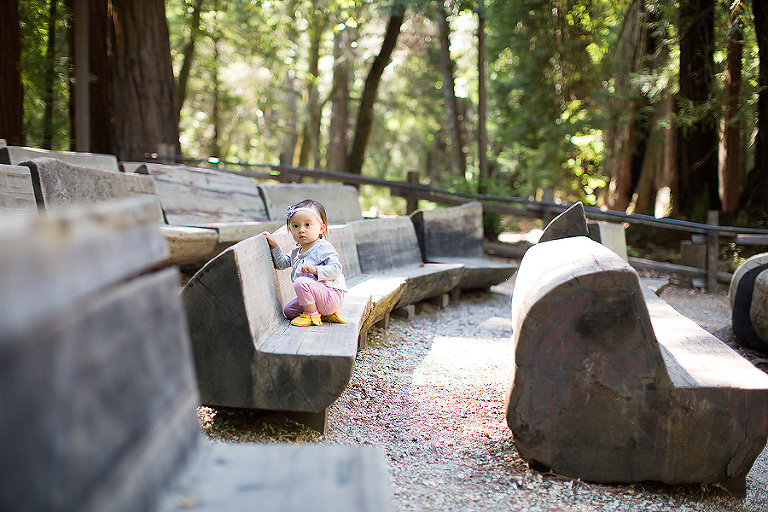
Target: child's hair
[317,206]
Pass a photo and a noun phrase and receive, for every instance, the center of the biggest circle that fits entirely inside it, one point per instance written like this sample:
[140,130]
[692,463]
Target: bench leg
[409,311]
[314,420]
[384,322]
[362,340]
[442,301]
[455,294]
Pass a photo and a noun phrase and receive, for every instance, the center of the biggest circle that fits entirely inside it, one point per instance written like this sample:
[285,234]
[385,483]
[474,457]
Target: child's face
[306,228]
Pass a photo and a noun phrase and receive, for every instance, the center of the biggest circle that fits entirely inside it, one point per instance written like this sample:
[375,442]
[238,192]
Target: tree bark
[11,91]
[368,99]
[336,158]
[145,113]
[291,137]
[697,184]
[449,91]
[753,201]
[310,132]
[482,133]
[189,54]
[50,77]
[730,146]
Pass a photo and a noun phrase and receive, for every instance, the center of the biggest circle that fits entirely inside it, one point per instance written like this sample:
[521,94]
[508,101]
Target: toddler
[315,267]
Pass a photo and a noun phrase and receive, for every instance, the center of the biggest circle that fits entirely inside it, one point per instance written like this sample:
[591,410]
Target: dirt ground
[429,393]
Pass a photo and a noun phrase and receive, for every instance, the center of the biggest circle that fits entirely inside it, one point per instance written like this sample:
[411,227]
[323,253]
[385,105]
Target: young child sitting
[315,267]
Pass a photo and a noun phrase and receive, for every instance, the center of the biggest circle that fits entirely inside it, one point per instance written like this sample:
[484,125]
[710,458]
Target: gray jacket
[322,255]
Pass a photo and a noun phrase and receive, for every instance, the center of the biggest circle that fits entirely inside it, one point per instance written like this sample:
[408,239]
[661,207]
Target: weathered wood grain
[16,191]
[247,354]
[389,248]
[572,222]
[59,185]
[15,155]
[340,201]
[740,295]
[455,235]
[605,391]
[758,310]
[189,246]
[199,197]
[610,235]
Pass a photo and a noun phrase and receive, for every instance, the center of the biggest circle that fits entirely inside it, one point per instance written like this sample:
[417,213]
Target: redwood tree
[11,92]
[697,178]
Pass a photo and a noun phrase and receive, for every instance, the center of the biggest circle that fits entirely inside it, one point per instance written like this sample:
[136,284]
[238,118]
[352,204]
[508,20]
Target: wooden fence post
[547,215]
[412,200]
[713,249]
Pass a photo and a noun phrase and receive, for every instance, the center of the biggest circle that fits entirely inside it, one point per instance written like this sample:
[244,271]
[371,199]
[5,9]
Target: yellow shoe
[305,320]
[336,318]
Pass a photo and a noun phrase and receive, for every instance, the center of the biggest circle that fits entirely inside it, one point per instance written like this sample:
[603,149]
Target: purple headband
[291,210]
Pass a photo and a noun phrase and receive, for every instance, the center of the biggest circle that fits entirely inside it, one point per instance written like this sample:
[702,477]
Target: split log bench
[388,247]
[96,374]
[203,198]
[611,384]
[341,202]
[455,235]
[16,193]
[247,354]
[15,155]
[748,296]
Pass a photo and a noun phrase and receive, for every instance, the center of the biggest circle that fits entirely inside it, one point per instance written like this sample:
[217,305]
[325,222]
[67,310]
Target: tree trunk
[214,146]
[310,132]
[145,113]
[753,200]
[50,77]
[730,144]
[189,54]
[365,111]
[336,158]
[449,91]
[291,137]
[482,133]
[697,183]
[11,91]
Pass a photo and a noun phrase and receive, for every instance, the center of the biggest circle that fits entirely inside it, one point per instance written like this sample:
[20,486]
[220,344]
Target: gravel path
[429,392]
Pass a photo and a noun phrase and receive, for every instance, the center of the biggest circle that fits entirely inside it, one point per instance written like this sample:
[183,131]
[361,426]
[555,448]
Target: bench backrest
[94,362]
[16,191]
[384,244]
[450,232]
[341,202]
[58,184]
[193,197]
[15,155]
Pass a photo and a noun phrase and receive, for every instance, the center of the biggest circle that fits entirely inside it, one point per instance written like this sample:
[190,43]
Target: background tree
[11,92]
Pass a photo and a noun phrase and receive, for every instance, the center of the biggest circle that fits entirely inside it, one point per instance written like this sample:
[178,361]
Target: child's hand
[309,269]
[270,240]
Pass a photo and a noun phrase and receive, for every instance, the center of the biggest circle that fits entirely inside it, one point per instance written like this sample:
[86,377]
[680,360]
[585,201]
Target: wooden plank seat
[57,184]
[246,352]
[96,365]
[341,202]
[455,235]
[612,385]
[15,155]
[204,198]
[388,247]
[746,294]
[16,193]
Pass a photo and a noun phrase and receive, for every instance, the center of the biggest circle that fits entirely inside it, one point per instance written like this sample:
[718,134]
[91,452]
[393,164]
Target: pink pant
[310,291]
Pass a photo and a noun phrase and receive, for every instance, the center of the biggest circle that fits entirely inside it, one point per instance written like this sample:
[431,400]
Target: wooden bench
[340,201]
[96,374]
[747,296]
[613,385]
[203,198]
[15,155]
[455,235]
[246,352]
[388,247]
[16,191]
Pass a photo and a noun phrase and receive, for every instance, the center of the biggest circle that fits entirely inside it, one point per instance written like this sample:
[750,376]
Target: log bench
[96,373]
[455,235]
[388,247]
[341,202]
[246,352]
[611,384]
[748,296]
[15,155]
[16,193]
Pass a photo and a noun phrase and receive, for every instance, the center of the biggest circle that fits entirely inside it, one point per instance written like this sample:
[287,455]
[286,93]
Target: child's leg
[292,309]
[315,296]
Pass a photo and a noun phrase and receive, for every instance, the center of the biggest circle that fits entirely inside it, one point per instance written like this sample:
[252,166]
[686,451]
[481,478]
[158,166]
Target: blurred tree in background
[650,106]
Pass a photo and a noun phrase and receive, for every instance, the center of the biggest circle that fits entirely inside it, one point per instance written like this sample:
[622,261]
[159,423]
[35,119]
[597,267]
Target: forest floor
[429,393]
